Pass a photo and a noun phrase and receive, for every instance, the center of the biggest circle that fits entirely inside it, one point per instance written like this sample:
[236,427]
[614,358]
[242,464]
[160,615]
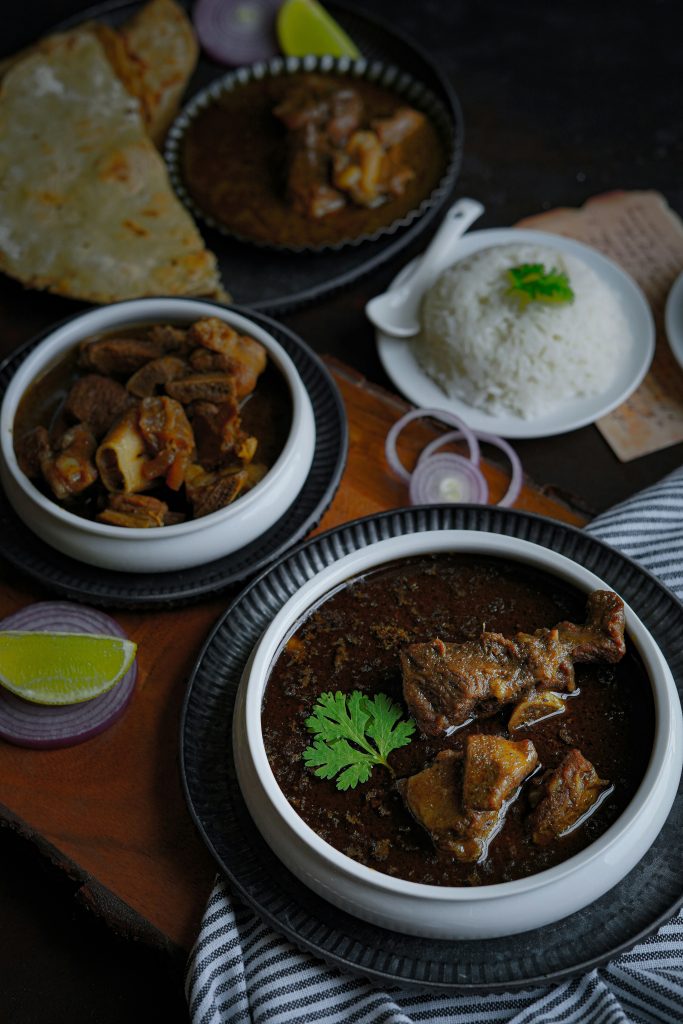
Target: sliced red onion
[450,477]
[449,418]
[48,727]
[447,478]
[237,32]
[516,477]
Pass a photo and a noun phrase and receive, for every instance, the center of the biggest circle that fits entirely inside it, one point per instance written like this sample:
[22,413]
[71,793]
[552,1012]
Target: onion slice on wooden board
[237,32]
[516,477]
[450,419]
[448,477]
[48,727]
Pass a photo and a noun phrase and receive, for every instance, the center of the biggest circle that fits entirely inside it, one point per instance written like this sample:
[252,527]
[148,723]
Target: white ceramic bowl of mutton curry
[155,435]
[456,734]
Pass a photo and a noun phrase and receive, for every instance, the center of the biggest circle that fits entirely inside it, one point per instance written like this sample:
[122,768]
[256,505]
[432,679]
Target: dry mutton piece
[446,685]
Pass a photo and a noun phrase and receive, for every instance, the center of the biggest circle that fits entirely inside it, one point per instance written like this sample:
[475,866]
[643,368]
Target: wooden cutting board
[111,811]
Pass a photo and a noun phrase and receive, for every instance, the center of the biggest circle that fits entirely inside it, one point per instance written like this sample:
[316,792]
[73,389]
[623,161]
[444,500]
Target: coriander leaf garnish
[352,734]
[531,282]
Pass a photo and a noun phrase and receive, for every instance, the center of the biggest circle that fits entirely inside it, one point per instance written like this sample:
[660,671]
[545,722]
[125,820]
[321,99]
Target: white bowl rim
[471,541]
[36,362]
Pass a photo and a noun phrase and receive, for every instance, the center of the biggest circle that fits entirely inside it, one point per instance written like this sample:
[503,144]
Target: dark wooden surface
[561,102]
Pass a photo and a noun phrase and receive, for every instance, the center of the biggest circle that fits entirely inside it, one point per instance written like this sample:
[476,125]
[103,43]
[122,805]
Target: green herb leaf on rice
[353,734]
[531,282]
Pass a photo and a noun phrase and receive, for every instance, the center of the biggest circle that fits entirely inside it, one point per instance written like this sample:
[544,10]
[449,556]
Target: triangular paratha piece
[154,54]
[86,207]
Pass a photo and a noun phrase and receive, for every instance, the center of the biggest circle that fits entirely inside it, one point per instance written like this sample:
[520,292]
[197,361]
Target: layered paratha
[86,208]
[154,53]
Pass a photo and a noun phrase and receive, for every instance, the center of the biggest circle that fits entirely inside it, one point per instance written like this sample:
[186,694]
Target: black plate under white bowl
[72,579]
[648,896]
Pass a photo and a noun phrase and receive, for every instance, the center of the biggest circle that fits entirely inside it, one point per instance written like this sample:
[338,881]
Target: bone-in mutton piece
[446,684]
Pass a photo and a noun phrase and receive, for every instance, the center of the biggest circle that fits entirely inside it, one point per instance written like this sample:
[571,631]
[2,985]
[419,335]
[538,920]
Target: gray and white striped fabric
[240,970]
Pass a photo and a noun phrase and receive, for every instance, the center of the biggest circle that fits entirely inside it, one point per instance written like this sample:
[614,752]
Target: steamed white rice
[479,345]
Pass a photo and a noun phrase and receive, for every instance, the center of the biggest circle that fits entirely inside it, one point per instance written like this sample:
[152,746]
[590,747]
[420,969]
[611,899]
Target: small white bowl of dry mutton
[155,435]
[458,735]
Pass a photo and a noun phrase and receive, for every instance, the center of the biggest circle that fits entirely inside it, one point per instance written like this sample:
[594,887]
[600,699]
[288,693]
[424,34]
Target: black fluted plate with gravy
[281,281]
[228,153]
[629,912]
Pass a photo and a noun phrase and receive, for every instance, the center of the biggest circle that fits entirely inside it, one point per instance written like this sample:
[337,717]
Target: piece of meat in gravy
[32,447]
[245,358]
[97,401]
[137,511]
[169,338]
[333,158]
[463,807]
[153,376]
[495,768]
[68,466]
[118,355]
[536,708]
[209,492]
[202,387]
[168,438]
[219,437]
[308,177]
[448,684]
[434,798]
[564,797]
[337,111]
[393,130]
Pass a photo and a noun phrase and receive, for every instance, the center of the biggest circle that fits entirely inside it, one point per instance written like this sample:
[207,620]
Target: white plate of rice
[523,372]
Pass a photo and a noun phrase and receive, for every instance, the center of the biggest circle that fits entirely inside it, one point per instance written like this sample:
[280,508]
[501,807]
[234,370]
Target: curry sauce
[235,158]
[353,641]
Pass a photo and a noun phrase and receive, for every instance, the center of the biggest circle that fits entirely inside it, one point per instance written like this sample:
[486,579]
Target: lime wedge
[62,668]
[303,27]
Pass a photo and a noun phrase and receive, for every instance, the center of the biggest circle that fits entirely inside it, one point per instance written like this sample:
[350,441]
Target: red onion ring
[237,32]
[426,482]
[45,727]
[517,476]
[417,414]
[430,476]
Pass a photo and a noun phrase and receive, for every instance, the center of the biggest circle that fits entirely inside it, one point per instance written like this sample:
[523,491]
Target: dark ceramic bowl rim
[389,76]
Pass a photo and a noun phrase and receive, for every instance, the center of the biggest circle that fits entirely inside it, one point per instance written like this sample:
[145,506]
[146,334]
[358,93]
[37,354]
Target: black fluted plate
[76,580]
[276,282]
[649,895]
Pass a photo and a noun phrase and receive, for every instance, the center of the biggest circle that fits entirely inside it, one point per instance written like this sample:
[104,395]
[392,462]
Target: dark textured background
[561,102]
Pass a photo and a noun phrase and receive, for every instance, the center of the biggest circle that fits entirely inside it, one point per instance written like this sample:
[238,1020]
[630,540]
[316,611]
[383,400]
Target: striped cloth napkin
[240,970]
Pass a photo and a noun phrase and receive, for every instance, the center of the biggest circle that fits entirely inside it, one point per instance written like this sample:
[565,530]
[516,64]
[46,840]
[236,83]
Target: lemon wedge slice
[62,668]
[304,27]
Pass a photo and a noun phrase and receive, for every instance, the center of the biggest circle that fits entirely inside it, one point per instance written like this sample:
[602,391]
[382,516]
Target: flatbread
[161,43]
[86,207]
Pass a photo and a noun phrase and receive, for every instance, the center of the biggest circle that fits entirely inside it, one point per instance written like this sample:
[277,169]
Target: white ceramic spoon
[396,312]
